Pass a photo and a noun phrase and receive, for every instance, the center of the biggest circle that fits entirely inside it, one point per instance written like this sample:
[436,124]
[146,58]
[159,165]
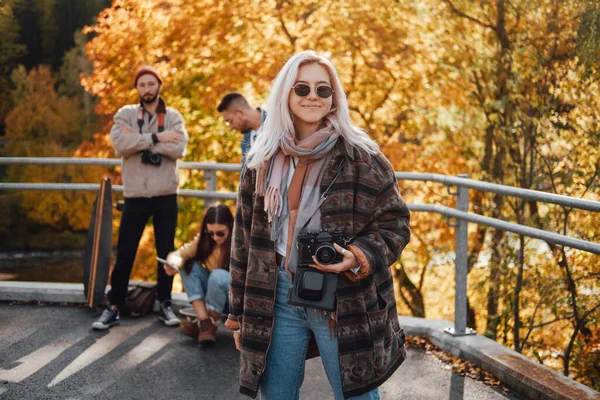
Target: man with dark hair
[149,137]
[239,115]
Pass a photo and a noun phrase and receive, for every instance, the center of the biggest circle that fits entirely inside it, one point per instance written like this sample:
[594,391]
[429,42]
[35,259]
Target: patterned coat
[364,200]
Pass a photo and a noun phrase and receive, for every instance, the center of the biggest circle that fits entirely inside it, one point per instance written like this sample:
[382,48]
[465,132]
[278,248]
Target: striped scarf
[300,201]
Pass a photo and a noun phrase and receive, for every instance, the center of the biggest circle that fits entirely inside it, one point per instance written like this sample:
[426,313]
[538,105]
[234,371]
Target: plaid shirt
[364,201]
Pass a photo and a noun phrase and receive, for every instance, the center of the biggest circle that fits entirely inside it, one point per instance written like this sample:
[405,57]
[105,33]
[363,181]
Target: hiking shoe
[208,331]
[190,328]
[166,314]
[108,318]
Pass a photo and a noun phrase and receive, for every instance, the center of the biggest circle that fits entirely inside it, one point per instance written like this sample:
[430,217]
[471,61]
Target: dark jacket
[249,135]
[364,200]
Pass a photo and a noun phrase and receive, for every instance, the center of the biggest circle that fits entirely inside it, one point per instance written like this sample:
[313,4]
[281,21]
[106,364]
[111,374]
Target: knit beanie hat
[146,69]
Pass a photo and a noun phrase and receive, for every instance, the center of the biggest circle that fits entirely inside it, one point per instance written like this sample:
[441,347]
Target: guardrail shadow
[139,358]
[457,386]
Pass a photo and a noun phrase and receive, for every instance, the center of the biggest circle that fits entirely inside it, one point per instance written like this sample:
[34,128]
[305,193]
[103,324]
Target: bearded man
[149,137]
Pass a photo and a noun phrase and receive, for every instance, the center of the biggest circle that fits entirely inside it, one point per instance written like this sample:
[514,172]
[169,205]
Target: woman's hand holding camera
[348,262]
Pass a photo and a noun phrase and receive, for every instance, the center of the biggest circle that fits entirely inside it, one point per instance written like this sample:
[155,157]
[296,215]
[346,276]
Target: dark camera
[311,287]
[151,158]
[320,244]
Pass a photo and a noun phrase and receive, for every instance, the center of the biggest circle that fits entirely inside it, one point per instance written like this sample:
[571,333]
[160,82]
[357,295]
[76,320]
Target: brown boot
[207,333]
[215,317]
[190,328]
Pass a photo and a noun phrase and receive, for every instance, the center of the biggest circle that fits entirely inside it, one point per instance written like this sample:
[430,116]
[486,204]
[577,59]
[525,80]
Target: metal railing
[209,169]
[460,213]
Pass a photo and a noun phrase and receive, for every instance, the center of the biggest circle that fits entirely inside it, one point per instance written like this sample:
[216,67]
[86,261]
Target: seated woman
[204,266]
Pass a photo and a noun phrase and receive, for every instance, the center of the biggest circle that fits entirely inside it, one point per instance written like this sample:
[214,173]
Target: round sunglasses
[303,90]
[217,233]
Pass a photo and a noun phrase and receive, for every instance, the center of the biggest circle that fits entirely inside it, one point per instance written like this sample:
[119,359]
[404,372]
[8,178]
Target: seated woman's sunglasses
[217,233]
[303,90]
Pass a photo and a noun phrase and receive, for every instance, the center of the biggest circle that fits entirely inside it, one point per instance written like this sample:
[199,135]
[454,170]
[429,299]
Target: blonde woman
[311,169]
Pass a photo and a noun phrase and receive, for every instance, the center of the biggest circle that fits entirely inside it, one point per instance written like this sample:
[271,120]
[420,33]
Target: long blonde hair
[279,124]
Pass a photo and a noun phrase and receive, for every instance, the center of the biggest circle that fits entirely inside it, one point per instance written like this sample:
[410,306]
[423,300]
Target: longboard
[96,256]
[188,313]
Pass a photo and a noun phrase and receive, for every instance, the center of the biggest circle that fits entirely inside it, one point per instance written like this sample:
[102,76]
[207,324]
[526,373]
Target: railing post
[210,176]
[461,269]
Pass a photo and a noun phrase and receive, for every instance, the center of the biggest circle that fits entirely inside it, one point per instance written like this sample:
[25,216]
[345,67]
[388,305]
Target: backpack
[140,298]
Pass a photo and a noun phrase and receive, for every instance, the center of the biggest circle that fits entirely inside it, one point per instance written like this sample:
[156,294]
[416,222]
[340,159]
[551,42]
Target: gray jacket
[144,180]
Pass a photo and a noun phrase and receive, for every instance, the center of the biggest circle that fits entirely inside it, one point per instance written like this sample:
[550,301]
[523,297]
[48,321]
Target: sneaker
[166,314]
[108,318]
[190,328]
[208,331]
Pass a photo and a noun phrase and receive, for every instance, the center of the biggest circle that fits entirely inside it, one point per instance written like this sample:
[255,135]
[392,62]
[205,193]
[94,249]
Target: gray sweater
[144,180]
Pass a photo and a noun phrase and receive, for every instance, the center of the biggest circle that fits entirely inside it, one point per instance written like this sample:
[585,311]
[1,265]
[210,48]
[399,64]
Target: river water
[42,266]
[51,266]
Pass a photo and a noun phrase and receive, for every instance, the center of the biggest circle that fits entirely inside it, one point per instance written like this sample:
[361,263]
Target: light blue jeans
[212,287]
[286,356]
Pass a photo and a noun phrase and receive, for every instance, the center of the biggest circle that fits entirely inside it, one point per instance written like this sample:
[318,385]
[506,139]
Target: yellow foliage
[43,125]
[440,92]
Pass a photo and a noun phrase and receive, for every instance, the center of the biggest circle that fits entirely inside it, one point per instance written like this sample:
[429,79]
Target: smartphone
[167,264]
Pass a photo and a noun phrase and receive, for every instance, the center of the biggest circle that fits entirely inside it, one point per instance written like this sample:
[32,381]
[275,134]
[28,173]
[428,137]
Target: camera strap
[338,171]
[326,194]
[140,119]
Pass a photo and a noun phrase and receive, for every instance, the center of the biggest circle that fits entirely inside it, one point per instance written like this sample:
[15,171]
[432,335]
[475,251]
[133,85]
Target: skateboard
[188,313]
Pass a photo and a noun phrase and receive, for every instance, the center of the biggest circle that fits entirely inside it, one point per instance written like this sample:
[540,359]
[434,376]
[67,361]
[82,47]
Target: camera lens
[151,158]
[325,254]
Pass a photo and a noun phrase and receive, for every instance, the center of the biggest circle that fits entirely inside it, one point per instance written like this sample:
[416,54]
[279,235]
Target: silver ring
[344,251]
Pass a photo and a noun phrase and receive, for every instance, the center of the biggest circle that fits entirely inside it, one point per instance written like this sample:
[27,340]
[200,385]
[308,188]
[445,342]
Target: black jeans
[135,215]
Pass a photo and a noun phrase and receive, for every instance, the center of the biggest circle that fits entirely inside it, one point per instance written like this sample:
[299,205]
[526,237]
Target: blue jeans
[286,356]
[212,287]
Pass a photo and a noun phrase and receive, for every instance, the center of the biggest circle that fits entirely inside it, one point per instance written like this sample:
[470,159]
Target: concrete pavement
[51,352]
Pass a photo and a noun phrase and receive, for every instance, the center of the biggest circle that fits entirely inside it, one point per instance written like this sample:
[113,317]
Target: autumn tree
[501,90]
[525,80]
[44,124]
[10,52]
[207,49]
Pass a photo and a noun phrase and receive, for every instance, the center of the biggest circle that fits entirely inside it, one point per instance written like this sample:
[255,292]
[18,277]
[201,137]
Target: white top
[281,245]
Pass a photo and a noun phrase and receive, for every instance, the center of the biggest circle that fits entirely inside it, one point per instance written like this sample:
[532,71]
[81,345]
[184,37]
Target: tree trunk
[409,293]
[493,317]
[506,113]
[495,278]
[517,294]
